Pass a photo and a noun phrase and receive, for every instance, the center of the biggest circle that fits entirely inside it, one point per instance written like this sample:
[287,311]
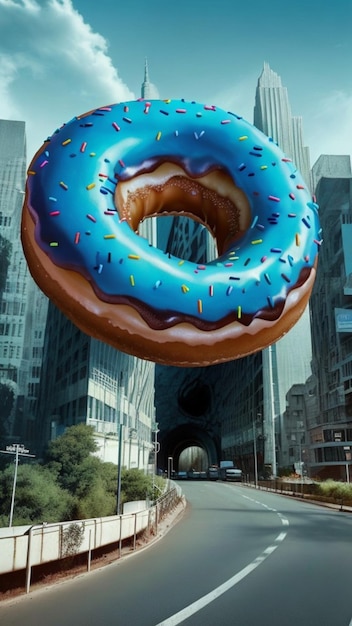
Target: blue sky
[60,58]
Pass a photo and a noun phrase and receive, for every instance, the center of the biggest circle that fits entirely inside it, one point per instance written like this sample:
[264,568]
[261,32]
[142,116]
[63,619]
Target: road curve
[238,556]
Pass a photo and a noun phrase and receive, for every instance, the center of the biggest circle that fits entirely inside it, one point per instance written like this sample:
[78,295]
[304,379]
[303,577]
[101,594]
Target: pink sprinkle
[225,121]
[122,163]
[126,109]
[77,237]
[264,258]
[201,267]
[286,160]
[300,187]
[104,109]
[181,111]
[292,196]
[109,212]
[44,163]
[228,265]
[116,126]
[210,107]
[211,290]
[317,242]
[91,217]
[83,146]
[54,213]
[103,175]
[274,198]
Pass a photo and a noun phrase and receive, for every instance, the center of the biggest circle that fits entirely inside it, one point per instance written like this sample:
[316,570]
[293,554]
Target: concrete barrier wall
[43,543]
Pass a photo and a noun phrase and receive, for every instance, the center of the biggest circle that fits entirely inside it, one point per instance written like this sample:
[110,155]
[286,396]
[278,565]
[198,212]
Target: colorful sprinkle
[90,186]
[132,280]
[63,185]
[200,306]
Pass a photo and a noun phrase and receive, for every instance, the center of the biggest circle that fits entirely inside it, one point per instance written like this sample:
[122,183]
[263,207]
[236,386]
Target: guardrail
[45,543]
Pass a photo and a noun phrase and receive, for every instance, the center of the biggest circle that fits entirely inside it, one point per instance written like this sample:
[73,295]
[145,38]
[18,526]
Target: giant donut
[98,176]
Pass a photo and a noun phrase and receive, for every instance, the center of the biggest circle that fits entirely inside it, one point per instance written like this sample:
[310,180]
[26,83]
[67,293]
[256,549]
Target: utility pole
[16,449]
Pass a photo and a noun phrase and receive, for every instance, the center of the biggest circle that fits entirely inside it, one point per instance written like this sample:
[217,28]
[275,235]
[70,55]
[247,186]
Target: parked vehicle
[228,471]
[213,472]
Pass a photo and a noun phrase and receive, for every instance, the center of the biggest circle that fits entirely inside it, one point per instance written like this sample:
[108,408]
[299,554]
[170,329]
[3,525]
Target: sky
[61,58]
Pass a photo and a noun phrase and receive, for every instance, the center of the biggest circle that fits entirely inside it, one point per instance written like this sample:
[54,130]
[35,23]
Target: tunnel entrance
[193,458]
[189,446]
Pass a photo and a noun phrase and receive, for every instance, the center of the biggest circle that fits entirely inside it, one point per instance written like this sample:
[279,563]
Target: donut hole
[183,237]
[213,200]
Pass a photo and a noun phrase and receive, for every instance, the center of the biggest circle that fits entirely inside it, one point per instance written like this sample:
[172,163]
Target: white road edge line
[196,606]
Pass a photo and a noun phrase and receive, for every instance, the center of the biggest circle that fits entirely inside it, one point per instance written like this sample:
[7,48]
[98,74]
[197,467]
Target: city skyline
[61,58]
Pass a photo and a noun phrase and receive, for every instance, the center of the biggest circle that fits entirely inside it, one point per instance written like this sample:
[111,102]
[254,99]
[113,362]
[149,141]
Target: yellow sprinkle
[67,141]
[134,256]
[158,135]
[255,241]
[239,312]
[167,101]
[92,154]
[184,288]
[298,240]
[132,280]
[31,173]
[243,138]
[200,306]
[263,167]
[109,236]
[54,244]
[181,262]
[90,186]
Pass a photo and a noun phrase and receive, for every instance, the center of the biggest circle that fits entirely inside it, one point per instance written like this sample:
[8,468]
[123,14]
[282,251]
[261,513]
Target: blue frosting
[71,186]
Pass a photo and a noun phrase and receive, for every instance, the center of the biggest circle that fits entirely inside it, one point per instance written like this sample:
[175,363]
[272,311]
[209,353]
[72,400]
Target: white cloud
[53,66]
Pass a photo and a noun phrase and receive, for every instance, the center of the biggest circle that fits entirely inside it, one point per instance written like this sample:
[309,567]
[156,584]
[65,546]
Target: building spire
[146,71]
[148,90]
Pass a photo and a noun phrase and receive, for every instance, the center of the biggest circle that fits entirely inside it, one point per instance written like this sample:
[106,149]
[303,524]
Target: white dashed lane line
[196,606]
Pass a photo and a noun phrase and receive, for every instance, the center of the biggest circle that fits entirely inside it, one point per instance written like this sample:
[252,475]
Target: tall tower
[283,363]
[272,115]
[148,90]
[22,306]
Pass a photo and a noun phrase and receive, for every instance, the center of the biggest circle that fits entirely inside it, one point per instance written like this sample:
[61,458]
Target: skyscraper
[272,115]
[287,362]
[22,306]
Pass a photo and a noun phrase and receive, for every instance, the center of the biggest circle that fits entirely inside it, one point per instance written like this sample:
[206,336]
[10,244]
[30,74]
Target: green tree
[38,496]
[70,458]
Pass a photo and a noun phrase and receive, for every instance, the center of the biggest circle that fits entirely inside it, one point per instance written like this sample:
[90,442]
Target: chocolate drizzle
[161,320]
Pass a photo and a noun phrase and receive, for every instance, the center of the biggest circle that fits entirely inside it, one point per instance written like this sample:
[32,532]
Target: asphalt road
[237,557]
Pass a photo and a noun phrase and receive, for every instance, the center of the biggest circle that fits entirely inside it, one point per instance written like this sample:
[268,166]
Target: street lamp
[17,449]
[347,450]
[119,469]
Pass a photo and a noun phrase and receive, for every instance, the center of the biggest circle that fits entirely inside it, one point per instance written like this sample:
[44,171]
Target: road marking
[196,606]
